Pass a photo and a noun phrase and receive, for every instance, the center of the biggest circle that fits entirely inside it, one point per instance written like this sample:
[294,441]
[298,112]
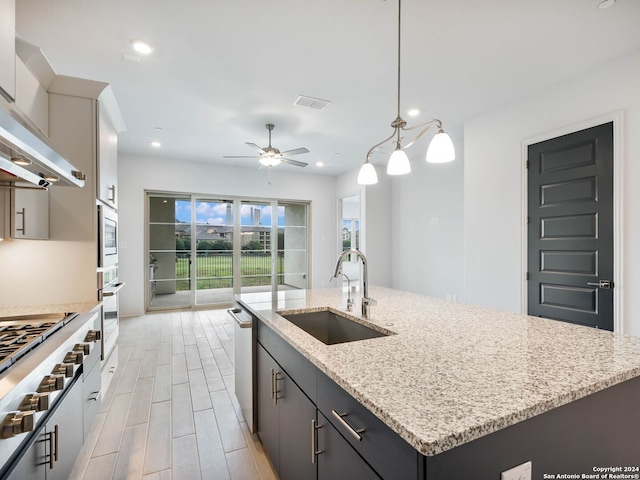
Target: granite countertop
[453,372]
[57,308]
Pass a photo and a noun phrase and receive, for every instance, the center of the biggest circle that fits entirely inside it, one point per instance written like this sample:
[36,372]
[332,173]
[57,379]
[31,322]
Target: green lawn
[216,271]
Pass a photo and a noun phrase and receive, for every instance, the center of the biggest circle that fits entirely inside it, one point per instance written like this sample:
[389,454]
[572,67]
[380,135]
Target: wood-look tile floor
[170,411]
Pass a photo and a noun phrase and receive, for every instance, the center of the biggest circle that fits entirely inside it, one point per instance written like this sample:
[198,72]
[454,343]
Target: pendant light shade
[367,174]
[398,163]
[441,149]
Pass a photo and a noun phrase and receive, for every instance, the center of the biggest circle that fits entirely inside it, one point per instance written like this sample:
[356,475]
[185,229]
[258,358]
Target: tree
[222,245]
[253,245]
[180,244]
[205,245]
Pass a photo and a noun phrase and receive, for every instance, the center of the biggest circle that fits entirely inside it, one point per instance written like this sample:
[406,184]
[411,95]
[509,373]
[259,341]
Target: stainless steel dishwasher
[243,353]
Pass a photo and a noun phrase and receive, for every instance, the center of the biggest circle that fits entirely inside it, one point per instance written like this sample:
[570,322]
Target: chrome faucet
[366,301]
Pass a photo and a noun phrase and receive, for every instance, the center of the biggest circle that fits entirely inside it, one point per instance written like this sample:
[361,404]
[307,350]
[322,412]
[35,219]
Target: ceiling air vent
[315,103]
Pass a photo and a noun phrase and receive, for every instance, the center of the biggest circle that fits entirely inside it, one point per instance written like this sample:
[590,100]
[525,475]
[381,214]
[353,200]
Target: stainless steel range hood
[42,162]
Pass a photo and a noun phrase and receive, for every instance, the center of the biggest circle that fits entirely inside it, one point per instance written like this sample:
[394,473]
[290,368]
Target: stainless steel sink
[332,328]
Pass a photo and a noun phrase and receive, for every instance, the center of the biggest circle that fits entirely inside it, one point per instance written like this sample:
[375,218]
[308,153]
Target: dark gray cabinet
[302,435]
[336,459]
[268,421]
[284,420]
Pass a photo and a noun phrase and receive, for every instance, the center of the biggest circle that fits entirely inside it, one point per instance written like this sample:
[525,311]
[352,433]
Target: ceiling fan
[270,156]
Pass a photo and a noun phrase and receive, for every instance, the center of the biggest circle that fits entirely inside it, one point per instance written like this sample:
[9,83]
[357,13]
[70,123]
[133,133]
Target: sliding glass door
[214,263]
[169,251]
[204,250]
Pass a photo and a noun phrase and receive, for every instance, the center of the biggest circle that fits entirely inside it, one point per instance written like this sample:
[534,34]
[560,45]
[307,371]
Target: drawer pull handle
[274,386]
[53,447]
[94,396]
[354,433]
[24,222]
[314,451]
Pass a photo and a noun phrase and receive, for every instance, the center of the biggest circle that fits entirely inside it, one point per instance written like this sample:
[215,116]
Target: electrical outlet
[521,472]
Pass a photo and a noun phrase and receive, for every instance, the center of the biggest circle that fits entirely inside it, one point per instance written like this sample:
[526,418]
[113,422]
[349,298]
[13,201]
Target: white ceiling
[222,69]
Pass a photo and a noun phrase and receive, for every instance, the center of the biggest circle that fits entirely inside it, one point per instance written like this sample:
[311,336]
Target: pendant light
[440,149]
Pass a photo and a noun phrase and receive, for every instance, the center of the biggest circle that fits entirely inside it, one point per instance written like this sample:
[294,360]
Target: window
[204,250]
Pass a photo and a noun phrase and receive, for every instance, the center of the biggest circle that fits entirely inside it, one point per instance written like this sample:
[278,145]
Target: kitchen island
[477,391]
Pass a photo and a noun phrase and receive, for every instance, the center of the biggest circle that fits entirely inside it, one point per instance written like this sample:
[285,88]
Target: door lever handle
[601,284]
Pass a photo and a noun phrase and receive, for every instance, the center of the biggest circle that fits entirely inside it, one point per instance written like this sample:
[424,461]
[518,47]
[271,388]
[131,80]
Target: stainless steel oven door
[107,236]
[110,318]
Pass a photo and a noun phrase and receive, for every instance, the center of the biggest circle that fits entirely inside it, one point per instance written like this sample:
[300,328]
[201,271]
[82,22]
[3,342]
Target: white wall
[428,256]
[137,174]
[375,223]
[493,185]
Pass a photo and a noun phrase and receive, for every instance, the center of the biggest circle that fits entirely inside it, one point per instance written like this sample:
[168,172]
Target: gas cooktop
[20,335]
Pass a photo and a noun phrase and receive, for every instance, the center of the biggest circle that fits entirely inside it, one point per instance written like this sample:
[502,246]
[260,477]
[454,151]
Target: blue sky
[215,213]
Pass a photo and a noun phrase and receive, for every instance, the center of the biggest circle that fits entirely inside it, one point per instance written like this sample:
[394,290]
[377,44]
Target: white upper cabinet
[8,48]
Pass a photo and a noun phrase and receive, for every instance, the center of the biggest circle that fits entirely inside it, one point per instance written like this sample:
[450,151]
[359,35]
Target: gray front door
[570,234]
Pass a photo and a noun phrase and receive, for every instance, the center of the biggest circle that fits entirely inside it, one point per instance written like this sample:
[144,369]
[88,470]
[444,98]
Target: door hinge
[528,220]
[526,276]
[527,164]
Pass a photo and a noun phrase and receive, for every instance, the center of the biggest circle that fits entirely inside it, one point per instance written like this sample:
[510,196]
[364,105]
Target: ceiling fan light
[367,174]
[398,163]
[441,149]
[21,161]
[269,161]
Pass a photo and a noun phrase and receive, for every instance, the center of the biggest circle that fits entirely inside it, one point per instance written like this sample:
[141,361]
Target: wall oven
[107,236]
[108,284]
[108,294]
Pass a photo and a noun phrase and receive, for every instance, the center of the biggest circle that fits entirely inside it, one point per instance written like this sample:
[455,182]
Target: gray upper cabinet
[84,122]
[8,48]
[29,213]
[107,158]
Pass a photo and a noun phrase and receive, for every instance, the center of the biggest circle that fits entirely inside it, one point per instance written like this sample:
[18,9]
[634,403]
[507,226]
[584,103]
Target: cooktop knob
[35,401]
[93,336]
[82,347]
[65,369]
[17,422]
[74,357]
[51,383]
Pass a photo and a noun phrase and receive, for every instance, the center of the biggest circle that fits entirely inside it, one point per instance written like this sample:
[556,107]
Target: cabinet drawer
[380,446]
[109,367]
[91,398]
[298,368]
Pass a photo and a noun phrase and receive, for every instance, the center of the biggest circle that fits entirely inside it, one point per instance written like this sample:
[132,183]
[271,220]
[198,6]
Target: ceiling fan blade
[253,145]
[295,151]
[239,156]
[294,162]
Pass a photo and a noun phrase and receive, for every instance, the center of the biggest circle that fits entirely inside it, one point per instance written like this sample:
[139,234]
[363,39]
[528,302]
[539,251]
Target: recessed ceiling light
[606,4]
[49,177]
[414,112]
[141,46]
[319,164]
[156,144]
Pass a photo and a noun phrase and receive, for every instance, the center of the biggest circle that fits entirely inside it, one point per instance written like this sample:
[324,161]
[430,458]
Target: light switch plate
[521,472]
